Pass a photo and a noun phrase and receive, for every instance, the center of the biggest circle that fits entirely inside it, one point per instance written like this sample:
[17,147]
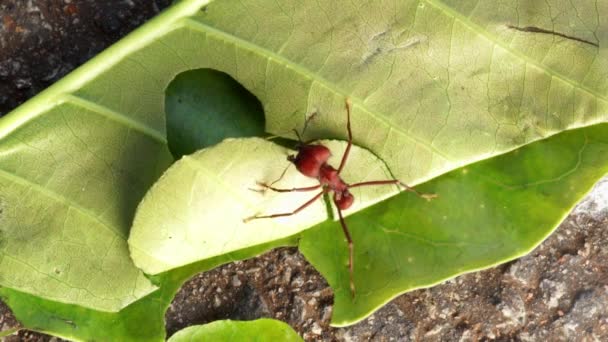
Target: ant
[311,161]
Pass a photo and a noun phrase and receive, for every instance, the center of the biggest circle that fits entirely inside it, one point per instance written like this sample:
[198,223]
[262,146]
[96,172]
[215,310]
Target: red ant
[311,161]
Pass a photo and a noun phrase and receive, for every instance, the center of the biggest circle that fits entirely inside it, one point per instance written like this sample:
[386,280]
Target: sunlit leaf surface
[258,330]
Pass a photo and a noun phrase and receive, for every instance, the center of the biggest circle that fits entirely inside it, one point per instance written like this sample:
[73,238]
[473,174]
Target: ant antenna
[273,182]
[300,141]
[298,134]
[282,174]
[306,121]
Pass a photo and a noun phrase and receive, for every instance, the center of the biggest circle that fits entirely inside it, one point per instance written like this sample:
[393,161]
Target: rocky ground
[559,292]
[43,40]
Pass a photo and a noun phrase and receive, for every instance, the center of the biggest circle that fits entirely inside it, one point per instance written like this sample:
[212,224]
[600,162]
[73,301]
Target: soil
[43,40]
[559,292]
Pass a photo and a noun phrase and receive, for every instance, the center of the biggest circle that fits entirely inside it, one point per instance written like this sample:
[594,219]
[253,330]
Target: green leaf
[434,88]
[434,85]
[197,209]
[258,330]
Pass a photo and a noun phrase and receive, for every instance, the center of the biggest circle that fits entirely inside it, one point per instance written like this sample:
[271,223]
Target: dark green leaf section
[206,106]
[258,330]
[487,213]
[140,321]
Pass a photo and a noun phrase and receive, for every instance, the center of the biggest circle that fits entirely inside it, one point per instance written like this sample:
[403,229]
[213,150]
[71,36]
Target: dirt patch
[43,40]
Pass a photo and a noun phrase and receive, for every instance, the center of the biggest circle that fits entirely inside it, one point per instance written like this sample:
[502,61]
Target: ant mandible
[311,161]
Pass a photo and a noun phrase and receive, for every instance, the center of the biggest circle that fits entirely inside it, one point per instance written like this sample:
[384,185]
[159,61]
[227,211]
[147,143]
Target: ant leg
[395,182]
[309,188]
[282,174]
[351,247]
[276,180]
[269,186]
[300,208]
[350,137]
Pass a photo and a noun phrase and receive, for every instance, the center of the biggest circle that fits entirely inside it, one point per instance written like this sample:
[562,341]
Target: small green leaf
[197,209]
[258,330]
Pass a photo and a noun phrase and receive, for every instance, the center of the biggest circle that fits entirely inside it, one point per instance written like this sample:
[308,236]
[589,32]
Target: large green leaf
[71,174]
[435,89]
[435,86]
[258,330]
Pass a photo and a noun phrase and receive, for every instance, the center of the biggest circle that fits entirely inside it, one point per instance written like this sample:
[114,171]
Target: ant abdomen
[343,199]
[310,158]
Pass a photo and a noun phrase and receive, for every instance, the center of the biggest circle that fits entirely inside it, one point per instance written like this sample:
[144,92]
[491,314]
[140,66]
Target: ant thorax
[328,176]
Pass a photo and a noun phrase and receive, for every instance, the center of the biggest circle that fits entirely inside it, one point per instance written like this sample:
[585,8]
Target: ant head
[310,159]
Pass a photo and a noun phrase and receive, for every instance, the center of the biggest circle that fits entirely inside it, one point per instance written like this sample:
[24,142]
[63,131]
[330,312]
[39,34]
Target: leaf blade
[197,210]
[503,213]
